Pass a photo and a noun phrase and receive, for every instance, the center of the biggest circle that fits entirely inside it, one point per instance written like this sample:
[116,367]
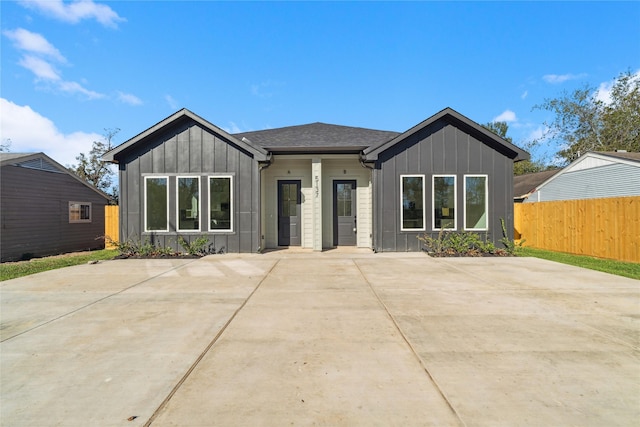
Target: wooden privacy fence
[604,228]
[111,228]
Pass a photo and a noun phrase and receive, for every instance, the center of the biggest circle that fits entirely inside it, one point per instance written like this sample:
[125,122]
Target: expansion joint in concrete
[193,366]
[406,340]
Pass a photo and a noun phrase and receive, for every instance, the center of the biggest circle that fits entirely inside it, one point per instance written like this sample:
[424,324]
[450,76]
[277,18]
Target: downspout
[261,166]
[374,200]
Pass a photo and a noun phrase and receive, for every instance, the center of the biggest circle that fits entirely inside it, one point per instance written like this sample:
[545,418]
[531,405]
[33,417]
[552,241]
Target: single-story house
[315,186]
[593,175]
[46,210]
[526,184]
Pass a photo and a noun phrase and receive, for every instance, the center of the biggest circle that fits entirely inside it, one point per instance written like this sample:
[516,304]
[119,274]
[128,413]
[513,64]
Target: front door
[344,213]
[289,213]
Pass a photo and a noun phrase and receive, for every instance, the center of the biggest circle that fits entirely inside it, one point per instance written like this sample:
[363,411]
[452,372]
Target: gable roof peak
[259,153]
[449,114]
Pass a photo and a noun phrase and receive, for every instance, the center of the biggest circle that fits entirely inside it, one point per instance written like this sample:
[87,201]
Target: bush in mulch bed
[147,250]
[466,244]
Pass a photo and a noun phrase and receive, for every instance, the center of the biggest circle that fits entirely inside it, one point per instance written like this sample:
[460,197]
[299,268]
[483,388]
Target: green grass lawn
[620,268]
[11,270]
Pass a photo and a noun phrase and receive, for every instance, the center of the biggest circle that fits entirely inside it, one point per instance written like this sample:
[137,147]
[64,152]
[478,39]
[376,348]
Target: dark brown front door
[344,213]
[289,213]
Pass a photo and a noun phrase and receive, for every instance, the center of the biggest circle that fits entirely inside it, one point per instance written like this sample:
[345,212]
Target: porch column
[316,176]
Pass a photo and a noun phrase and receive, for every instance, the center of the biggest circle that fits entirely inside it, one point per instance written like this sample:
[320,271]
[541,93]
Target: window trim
[189,230]
[455,202]
[231,204]
[80,221]
[486,201]
[146,230]
[424,211]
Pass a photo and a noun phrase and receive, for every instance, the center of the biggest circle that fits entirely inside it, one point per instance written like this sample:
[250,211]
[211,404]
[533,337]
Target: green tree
[93,170]
[583,122]
[521,167]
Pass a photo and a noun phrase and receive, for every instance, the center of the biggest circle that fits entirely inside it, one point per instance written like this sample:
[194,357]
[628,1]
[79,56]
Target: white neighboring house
[593,175]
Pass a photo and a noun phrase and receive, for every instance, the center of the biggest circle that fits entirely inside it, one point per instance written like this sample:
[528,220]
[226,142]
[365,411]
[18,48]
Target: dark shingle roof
[317,136]
[525,184]
[621,155]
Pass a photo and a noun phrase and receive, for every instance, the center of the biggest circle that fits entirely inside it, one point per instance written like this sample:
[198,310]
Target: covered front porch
[316,202]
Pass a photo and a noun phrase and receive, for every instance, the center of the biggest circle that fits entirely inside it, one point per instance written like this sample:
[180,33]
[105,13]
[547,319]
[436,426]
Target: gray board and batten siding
[187,145]
[445,144]
[35,193]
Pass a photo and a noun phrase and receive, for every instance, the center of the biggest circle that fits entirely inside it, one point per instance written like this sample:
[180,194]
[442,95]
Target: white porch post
[316,176]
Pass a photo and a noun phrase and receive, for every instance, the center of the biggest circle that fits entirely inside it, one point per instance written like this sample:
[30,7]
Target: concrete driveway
[332,338]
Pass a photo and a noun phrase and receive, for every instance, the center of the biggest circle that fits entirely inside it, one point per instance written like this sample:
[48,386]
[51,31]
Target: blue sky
[72,69]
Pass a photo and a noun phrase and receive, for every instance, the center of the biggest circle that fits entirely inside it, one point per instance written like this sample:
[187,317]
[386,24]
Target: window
[475,202]
[156,200]
[188,189]
[220,203]
[412,208]
[444,202]
[79,212]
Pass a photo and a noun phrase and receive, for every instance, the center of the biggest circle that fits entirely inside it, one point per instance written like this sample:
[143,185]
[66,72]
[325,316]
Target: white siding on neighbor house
[612,180]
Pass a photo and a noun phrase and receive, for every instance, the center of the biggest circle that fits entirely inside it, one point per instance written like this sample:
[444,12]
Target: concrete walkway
[332,338]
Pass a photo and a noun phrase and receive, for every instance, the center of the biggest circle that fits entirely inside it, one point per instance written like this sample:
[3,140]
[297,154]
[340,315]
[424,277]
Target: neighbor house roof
[319,137]
[40,161]
[524,185]
[371,153]
[259,153]
[621,155]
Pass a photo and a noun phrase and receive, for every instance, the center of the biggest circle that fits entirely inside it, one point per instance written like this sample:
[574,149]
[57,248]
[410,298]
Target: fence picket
[604,228]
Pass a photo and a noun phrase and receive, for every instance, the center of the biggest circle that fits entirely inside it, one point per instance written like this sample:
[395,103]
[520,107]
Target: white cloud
[74,87]
[604,89]
[37,57]
[41,68]
[561,78]
[75,11]
[33,42]
[525,94]
[31,132]
[173,104]
[507,116]
[232,128]
[128,98]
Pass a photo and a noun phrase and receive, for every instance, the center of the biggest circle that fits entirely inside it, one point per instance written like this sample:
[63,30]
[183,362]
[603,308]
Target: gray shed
[46,210]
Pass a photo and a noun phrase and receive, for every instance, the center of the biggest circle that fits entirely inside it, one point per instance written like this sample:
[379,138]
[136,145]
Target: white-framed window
[79,212]
[412,203]
[188,203]
[156,203]
[476,202]
[220,214]
[444,202]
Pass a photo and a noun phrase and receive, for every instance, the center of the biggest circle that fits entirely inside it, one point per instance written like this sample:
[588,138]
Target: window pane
[412,196]
[74,212]
[157,203]
[476,202]
[85,212]
[220,199]
[444,193]
[188,203]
